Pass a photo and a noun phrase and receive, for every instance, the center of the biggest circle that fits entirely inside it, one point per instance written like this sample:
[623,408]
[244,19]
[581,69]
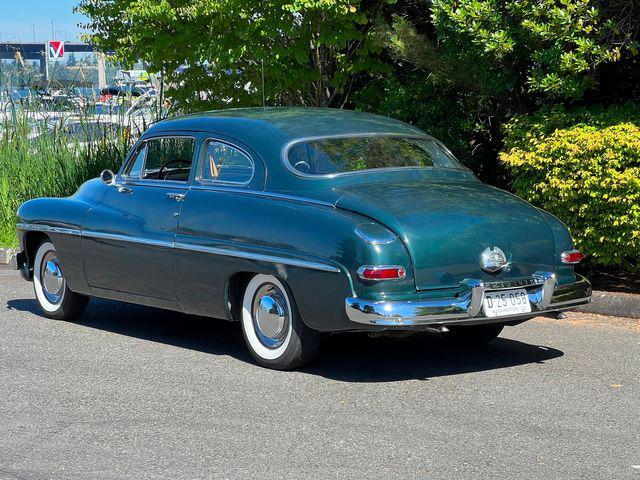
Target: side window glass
[135,168]
[169,158]
[224,163]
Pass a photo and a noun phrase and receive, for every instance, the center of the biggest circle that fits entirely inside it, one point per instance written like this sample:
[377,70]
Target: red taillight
[572,256]
[383,272]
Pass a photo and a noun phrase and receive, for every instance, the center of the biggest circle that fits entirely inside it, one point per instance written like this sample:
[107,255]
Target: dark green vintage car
[296,222]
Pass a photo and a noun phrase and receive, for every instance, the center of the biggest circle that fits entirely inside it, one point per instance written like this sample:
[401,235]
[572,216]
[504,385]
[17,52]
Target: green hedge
[584,167]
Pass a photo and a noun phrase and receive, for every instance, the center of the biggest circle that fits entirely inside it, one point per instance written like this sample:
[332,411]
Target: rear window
[326,156]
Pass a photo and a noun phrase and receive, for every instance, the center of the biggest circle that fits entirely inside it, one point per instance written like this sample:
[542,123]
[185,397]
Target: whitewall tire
[54,297]
[273,330]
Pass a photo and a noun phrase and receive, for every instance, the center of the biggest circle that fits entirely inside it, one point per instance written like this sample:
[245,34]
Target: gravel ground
[133,392]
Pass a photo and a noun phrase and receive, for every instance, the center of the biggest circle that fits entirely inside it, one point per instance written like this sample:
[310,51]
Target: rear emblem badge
[493,260]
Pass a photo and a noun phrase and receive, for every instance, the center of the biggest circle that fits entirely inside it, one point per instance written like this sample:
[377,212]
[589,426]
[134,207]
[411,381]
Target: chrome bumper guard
[466,305]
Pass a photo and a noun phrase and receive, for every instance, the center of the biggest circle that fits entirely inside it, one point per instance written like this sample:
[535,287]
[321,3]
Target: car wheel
[51,289]
[475,334]
[273,330]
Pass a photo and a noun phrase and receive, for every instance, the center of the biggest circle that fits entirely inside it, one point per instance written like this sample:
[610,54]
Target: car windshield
[327,156]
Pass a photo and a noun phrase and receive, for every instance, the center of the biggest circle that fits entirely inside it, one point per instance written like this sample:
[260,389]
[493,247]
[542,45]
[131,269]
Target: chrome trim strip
[184,246]
[513,284]
[264,194]
[127,238]
[38,227]
[258,257]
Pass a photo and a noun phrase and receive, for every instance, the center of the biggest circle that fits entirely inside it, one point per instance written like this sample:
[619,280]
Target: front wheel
[54,297]
[273,330]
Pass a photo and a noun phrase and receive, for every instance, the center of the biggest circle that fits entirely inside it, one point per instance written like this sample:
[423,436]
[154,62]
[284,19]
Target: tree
[463,67]
[312,51]
[527,50]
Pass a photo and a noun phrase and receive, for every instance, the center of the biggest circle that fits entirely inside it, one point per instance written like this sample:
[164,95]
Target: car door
[127,240]
[216,214]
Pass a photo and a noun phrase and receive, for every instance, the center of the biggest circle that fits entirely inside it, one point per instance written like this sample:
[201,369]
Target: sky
[18,18]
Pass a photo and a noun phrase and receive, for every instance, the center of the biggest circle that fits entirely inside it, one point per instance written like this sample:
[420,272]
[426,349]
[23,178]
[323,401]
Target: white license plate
[506,302]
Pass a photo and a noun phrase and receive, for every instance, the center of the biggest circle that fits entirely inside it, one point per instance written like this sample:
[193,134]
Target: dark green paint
[444,219]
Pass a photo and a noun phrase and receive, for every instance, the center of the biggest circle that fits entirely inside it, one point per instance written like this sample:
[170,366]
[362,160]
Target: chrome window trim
[144,141]
[287,146]
[264,194]
[127,158]
[131,159]
[200,167]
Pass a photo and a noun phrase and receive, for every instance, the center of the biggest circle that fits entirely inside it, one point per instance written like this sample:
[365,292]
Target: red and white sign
[55,50]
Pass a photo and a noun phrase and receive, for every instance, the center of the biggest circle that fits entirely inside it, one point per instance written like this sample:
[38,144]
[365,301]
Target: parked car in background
[296,222]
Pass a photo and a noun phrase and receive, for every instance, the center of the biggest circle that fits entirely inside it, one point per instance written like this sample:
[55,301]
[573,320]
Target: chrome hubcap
[52,279]
[270,316]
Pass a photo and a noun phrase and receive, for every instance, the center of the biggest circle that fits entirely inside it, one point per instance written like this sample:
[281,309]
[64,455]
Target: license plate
[507,302]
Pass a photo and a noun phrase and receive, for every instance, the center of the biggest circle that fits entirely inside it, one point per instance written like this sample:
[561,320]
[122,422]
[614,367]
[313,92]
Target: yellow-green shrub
[587,174]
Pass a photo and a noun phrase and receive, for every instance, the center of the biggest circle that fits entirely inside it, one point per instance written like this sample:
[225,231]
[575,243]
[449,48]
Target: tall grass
[39,158]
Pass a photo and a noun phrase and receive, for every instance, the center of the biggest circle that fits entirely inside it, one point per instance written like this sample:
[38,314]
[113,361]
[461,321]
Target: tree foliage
[462,68]
[523,50]
[311,51]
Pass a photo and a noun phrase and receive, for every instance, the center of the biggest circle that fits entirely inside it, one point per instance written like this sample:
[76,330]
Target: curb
[6,254]
[613,304]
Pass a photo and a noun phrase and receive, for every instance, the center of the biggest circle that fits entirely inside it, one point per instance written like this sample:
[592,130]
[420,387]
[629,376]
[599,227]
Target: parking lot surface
[132,392]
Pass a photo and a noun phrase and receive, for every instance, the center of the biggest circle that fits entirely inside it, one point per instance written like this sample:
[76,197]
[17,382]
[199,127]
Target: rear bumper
[466,306]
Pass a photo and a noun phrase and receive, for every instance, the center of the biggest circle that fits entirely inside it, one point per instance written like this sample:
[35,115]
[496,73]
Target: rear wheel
[273,330]
[52,292]
[475,334]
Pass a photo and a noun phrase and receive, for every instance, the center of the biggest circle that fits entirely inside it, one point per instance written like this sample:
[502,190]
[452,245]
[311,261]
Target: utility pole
[53,32]
[33,26]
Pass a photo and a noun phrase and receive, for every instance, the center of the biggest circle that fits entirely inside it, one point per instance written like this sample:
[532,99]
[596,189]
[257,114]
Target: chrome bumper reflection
[466,305]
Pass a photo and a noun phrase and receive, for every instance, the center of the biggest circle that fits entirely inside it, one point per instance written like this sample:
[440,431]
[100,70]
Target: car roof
[266,131]
[285,124]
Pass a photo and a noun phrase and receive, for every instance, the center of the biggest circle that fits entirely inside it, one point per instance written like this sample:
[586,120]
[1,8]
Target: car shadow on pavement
[359,358]
[349,357]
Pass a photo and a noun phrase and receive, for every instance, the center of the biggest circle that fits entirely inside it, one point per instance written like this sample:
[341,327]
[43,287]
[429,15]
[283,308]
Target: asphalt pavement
[136,393]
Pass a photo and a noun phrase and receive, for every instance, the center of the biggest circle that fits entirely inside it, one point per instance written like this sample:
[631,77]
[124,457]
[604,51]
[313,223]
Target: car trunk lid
[446,226]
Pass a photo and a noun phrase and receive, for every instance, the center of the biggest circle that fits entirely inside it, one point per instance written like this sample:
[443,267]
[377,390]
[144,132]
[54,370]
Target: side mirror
[107,177]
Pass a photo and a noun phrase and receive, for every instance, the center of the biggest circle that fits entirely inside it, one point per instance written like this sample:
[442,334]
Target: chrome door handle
[123,189]
[178,197]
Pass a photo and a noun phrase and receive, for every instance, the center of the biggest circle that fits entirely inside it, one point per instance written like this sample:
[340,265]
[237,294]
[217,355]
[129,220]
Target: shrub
[584,167]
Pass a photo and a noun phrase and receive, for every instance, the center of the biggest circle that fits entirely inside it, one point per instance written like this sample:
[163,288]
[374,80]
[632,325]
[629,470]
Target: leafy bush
[584,167]
[37,159]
